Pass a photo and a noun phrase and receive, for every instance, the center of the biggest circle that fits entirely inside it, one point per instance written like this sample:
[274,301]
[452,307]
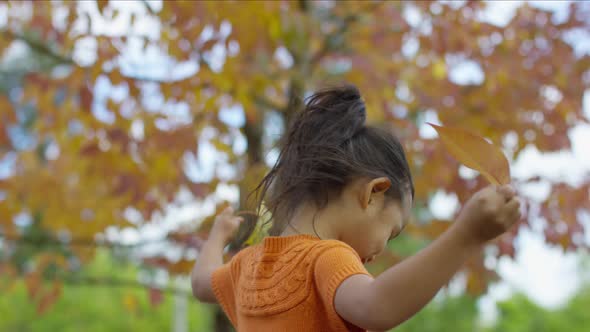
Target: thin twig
[39,47]
[122,283]
[83,242]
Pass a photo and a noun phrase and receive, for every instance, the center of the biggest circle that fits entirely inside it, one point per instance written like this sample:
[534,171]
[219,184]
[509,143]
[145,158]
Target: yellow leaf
[475,284]
[130,302]
[439,70]
[222,147]
[476,153]
[274,27]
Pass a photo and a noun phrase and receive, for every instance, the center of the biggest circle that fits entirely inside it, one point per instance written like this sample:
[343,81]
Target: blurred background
[125,125]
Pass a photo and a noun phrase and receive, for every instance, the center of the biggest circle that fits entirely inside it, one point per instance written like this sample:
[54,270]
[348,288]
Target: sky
[543,273]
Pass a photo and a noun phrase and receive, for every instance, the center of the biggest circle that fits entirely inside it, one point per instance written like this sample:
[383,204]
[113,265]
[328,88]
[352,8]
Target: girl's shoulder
[306,249]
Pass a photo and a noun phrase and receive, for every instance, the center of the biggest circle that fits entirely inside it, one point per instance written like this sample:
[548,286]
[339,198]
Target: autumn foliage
[122,97]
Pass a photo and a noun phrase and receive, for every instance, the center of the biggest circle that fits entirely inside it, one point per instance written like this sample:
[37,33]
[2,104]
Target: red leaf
[200,190]
[85,98]
[119,137]
[3,136]
[156,296]
[125,183]
[89,150]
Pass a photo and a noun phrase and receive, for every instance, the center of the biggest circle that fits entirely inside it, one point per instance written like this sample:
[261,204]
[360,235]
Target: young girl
[338,192]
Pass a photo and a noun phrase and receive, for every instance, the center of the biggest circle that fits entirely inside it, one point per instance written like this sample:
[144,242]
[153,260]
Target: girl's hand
[489,213]
[225,225]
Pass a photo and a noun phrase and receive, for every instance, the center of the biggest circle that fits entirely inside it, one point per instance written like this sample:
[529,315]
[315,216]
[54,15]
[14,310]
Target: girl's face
[370,225]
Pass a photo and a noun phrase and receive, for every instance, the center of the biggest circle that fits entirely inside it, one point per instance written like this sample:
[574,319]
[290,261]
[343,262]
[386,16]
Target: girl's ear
[376,186]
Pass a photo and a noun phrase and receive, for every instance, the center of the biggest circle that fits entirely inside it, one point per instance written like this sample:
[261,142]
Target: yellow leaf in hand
[476,153]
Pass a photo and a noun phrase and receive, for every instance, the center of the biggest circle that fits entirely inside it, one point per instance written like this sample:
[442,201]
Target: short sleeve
[223,288]
[333,267]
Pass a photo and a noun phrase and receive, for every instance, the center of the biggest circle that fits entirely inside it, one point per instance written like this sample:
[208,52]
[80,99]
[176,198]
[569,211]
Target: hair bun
[333,99]
[331,117]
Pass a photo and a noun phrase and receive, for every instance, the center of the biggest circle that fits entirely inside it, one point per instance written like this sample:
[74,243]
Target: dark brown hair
[326,146]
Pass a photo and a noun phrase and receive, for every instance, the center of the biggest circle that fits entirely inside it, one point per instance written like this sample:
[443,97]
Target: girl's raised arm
[398,293]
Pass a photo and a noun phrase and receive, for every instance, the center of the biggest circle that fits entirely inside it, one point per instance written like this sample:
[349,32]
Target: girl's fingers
[507,191]
[513,204]
[228,211]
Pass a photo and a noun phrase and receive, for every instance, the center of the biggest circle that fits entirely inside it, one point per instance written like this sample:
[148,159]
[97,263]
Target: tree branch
[265,102]
[121,283]
[39,47]
[148,7]
[82,242]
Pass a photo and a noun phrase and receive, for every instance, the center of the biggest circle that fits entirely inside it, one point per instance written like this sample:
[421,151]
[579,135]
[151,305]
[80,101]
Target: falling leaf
[476,153]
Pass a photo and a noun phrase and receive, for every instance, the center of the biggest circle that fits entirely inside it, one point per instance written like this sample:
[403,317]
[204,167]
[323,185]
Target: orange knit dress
[286,284]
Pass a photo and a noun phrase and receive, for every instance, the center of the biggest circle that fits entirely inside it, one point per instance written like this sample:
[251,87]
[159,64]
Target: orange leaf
[33,283]
[476,153]
[101,4]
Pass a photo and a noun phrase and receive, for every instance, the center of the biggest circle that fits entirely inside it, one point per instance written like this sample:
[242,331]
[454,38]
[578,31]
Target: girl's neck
[308,220]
